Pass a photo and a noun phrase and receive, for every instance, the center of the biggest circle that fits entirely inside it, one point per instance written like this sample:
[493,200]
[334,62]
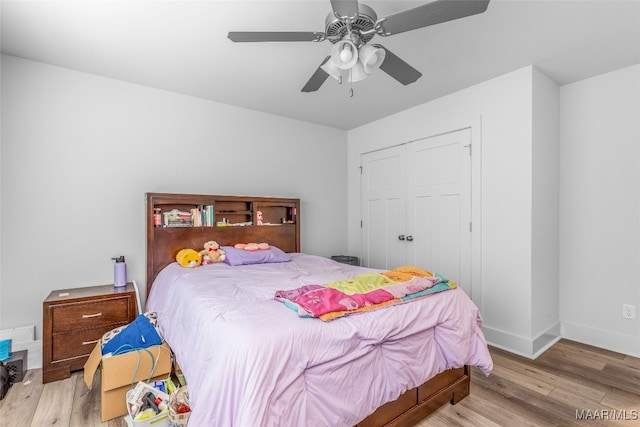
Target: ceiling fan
[352,25]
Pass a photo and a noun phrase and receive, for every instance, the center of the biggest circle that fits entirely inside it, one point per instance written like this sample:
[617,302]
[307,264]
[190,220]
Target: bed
[252,361]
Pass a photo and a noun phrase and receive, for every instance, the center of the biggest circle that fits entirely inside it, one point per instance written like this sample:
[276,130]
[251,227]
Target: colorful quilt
[364,292]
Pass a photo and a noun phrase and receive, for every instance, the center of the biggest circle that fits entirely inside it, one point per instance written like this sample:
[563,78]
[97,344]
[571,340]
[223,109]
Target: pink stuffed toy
[251,246]
[259,218]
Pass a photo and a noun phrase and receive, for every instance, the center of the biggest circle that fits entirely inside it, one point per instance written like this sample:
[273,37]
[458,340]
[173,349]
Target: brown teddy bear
[212,253]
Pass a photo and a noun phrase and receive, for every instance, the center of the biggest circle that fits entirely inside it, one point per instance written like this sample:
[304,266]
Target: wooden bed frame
[283,215]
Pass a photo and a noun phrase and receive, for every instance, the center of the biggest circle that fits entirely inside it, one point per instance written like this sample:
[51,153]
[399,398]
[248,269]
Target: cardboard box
[119,373]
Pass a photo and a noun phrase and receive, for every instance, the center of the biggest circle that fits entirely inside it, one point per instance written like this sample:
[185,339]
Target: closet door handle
[409,238]
[401,237]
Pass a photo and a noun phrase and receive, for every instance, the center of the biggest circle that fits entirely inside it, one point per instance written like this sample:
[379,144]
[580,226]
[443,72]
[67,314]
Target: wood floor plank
[610,357]
[569,345]
[529,369]
[21,401]
[634,362]
[523,378]
[558,413]
[499,409]
[54,406]
[575,358]
[624,373]
[563,365]
[622,400]
[579,403]
[86,403]
[459,415]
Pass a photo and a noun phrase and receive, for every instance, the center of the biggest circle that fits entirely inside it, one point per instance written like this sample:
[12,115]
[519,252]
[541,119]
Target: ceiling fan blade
[345,8]
[398,69]
[282,36]
[317,79]
[432,13]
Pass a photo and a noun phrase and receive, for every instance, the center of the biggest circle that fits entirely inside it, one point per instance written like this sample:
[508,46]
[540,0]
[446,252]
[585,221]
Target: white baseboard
[524,346]
[20,334]
[620,343]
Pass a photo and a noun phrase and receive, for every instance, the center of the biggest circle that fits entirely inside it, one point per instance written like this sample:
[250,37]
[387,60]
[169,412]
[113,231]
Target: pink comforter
[250,361]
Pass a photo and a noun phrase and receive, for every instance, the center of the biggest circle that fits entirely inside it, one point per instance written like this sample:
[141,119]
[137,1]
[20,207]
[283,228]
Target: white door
[383,186]
[439,205]
[417,206]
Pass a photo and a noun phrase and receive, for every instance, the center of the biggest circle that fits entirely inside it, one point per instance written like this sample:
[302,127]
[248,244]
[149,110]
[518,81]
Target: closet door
[416,206]
[439,205]
[383,187]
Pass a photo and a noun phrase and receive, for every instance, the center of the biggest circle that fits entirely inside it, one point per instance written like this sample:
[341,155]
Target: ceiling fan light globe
[332,69]
[346,48]
[371,57]
[357,72]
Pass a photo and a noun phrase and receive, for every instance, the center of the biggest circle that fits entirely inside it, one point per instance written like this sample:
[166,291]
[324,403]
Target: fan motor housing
[336,29]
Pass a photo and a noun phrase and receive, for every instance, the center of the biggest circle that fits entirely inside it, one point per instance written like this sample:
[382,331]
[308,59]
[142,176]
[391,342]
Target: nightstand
[74,320]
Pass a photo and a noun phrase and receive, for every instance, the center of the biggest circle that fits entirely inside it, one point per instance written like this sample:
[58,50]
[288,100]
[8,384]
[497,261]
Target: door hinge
[470,227]
[360,170]
[469,147]
[360,223]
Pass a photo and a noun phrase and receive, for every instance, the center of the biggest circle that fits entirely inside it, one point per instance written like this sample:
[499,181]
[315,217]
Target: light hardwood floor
[569,380]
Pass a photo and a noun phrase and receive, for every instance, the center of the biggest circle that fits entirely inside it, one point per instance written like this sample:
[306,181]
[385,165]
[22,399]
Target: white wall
[545,210]
[600,209]
[79,151]
[500,114]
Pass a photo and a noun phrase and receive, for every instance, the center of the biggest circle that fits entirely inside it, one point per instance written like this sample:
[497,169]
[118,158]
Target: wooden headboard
[167,236]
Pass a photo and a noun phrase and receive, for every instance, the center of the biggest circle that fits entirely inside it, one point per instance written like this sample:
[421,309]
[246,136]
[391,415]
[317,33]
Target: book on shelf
[177,218]
[209,219]
[196,214]
[179,224]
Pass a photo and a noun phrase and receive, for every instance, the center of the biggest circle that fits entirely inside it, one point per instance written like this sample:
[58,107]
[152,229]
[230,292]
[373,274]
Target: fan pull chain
[351,81]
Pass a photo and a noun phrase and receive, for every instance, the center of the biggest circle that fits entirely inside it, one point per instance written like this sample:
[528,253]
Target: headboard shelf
[164,240]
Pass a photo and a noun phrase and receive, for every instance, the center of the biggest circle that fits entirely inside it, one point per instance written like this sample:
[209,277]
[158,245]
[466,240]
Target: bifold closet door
[383,187]
[416,206]
[439,205]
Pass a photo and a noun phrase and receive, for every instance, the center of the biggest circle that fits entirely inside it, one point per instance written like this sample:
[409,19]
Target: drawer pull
[86,316]
[90,342]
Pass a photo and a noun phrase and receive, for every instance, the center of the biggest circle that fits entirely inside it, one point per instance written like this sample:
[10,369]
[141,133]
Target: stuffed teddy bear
[188,258]
[212,253]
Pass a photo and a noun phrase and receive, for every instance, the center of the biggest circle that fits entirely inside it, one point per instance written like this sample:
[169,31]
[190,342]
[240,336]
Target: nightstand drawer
[73,317]
[75,344]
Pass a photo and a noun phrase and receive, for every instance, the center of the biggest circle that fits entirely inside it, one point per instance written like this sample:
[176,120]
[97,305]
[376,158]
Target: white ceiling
[182,46]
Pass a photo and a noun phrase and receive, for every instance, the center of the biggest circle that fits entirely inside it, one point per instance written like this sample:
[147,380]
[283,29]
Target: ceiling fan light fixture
[371,57]
[357,72]
[332,69]
[344,54]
